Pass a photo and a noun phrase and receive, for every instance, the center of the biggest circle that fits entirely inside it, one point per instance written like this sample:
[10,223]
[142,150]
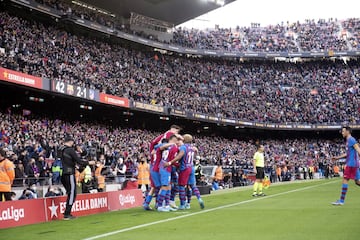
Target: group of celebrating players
[172,171]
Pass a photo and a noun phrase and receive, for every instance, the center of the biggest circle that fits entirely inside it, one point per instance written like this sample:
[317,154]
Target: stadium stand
[312,35]
[38,138]
[352,26]
[323,91]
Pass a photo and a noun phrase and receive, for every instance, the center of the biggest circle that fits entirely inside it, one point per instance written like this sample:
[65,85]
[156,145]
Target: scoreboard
[74,90]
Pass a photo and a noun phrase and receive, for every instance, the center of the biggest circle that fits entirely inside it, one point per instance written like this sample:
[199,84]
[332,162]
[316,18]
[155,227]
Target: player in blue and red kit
[191,183]
[165,175]
[186,158]
[352,163]
[155,157]
[174,129]
[154,172]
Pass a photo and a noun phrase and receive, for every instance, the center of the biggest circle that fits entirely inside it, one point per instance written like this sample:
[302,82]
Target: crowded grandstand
[302,92]
[313,35]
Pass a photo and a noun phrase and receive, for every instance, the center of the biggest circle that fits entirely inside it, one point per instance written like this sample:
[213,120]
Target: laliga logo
[12,213]
[126,199]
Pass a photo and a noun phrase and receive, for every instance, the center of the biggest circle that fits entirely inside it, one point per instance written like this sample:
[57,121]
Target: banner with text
[22,212]
[178,112]
[114,100]
[125,199]
[20,78]
[149,107]
[85,204]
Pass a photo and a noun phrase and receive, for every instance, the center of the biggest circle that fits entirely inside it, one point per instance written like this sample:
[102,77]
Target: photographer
[27,194]
[53,191]
[69,159]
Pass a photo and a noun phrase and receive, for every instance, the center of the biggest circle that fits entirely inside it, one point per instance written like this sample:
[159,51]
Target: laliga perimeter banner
[85,204]
[125,199]
[22,212]
[114,100]
[20,78]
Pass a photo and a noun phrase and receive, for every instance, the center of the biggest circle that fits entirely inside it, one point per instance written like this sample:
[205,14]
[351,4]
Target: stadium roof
[173,11]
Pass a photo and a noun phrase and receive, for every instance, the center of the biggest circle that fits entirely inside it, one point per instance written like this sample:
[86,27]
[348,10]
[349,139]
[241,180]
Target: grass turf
[299,210]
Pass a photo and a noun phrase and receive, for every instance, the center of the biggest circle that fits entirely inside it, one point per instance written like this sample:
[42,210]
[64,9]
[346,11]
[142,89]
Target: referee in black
[69,159]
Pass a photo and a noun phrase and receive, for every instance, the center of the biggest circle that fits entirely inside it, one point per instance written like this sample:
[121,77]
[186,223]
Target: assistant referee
[258,164]
[69,159]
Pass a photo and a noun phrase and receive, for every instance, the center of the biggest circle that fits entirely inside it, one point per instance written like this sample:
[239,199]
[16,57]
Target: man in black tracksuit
[69,159]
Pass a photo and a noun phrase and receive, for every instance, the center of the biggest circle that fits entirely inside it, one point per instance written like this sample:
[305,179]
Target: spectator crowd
[320,35]
[32,144]
[322,91]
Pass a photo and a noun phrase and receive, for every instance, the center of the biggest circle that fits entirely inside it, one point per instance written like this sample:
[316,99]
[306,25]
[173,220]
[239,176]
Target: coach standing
[7,175]
[69,159]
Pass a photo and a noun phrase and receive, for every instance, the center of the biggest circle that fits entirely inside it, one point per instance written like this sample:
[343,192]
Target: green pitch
[299,210]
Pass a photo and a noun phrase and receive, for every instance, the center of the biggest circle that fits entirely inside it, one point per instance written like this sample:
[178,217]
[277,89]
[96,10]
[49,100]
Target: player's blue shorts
[357,177]
[192,180]
[155,177]
[165,177]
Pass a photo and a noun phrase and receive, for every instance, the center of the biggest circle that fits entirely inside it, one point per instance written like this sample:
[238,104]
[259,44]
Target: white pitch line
[202,212]
[246,188]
